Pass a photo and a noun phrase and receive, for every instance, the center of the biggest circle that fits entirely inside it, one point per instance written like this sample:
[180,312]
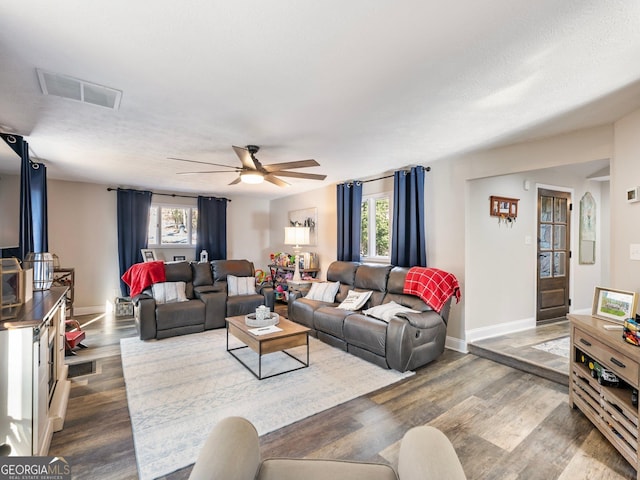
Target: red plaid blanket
[143,275]
[433,286]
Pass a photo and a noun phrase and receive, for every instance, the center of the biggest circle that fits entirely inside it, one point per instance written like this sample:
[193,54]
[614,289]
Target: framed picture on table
[148,255]
[615,305]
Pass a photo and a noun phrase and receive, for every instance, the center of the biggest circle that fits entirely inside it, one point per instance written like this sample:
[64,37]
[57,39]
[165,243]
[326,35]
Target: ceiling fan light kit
[253,172]
[251,177]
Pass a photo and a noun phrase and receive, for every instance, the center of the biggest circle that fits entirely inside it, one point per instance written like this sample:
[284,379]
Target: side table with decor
[300,286]
[281,277]
[66,277]
[604,378]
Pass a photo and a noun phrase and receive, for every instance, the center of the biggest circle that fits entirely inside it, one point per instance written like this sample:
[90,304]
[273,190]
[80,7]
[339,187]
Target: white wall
[501,266]
[248,234]
[83,233]
[324,199]
[450,231]
[9,210]
[625,217]
[84,215]
[453,224]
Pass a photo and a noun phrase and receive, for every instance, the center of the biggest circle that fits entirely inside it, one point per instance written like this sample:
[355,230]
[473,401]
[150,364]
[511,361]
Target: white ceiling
[362,86]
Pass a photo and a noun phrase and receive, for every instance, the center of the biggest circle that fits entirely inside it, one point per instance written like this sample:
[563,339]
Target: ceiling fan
[252,171]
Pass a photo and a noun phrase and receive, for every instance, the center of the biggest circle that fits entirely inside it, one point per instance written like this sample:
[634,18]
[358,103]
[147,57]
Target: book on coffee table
[265,330]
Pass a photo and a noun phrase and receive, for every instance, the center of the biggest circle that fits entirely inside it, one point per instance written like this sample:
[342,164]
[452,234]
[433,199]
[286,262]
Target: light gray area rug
[179,388]
[559,346]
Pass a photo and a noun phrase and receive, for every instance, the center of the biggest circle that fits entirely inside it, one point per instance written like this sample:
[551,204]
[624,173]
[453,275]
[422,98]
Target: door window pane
[546,209]
[559,237]
[560,213]
[544,268]
[546,235]
[559,264]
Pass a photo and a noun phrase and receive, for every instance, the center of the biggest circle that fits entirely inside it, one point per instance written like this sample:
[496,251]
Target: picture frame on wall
[179,258]
[307,217]
[148,255]
[614,305]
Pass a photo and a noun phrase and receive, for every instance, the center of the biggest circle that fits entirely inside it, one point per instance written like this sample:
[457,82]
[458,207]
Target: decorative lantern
[11,292]
[42,264]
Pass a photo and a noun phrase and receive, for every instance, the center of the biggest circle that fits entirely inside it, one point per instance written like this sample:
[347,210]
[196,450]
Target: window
[172,225]
[375,238]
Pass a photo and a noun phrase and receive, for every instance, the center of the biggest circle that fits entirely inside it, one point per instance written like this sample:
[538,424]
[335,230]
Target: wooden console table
[610,409]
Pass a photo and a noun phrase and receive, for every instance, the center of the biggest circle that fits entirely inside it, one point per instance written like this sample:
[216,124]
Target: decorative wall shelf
[504,208]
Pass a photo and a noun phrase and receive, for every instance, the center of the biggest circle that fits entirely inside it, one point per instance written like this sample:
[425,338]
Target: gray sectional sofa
[207,304]
[407,341]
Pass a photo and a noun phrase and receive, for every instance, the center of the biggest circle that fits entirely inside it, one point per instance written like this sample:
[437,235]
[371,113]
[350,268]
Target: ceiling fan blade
[207,171]
[245,157]
[204,163]
[286,165]
[309,176]
[276,181]
[236,181]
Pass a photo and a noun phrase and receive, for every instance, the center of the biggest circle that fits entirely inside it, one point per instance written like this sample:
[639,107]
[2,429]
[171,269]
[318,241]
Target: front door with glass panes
[553,254]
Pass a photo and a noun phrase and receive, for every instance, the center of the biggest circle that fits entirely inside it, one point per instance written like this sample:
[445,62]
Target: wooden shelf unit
[279,275]
[610,409]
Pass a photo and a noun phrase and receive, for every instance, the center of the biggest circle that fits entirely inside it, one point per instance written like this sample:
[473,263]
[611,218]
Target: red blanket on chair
[433,286]
[143,275]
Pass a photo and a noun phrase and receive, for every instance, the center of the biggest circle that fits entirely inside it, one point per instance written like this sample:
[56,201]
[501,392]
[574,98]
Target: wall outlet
[634,251]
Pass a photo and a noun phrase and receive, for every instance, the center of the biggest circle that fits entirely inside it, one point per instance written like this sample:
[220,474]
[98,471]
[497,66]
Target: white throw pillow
[387,311]
[240,285]
[169,292]
[355,300]
[323,291]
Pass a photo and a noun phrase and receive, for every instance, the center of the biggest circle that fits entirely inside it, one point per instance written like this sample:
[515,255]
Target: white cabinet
[34,389]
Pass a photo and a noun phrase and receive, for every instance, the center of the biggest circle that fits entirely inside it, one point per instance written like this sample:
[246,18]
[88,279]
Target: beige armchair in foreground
[232,452]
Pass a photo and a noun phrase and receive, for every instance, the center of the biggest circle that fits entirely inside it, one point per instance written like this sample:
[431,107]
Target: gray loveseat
[207,302]
[405,342]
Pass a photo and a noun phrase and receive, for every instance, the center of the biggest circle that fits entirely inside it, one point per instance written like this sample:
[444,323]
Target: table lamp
[296,236]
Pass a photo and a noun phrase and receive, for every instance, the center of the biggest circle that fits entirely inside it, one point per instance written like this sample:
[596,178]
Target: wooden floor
[503,422]
[516,350]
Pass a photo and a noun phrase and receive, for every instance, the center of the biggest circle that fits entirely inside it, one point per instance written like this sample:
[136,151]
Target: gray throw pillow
[202,274]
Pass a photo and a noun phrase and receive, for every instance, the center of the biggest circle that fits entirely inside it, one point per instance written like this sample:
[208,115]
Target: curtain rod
[109,189]
[426,169]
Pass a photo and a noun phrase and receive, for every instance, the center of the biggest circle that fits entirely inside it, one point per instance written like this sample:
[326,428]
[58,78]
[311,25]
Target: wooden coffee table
[292,335]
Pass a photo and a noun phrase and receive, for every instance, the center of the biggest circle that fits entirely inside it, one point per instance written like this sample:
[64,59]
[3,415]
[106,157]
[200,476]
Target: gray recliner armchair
[232,452]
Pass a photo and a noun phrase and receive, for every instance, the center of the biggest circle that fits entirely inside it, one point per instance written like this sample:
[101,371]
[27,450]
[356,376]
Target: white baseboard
[500,329]
[582,311]
[89,310]
[506,328]
[457,344]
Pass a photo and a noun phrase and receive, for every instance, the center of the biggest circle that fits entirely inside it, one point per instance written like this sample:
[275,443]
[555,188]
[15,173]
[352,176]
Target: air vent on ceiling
[80,90]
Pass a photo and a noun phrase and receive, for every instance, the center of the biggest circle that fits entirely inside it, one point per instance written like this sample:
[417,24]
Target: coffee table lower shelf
[292,335]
